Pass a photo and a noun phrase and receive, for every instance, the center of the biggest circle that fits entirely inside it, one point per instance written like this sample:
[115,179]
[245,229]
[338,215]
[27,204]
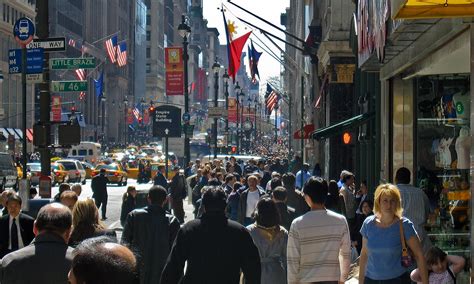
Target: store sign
[174,71]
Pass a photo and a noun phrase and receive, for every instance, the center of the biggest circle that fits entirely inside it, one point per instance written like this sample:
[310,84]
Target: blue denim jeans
[402,279]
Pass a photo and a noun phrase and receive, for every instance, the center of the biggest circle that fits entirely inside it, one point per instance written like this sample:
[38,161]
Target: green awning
[337,128]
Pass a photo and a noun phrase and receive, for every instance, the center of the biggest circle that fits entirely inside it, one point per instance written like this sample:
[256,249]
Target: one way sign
[49,44]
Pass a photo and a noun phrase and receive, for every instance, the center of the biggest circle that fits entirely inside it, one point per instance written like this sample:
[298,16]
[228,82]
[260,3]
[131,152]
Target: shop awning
[29,134]
[422,9]
[11,131]
[337,128]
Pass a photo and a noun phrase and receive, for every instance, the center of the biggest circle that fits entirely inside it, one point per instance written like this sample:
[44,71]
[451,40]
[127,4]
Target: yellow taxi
[114,172]
[59,173]
[88,168]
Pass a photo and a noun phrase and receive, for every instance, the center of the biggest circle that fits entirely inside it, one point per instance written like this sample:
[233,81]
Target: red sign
[174,71]
[56,108]
[306,133]
[129,116]
[232,112]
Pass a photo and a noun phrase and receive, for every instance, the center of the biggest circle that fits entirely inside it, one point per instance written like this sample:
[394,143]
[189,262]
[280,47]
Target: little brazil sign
[72,63]
[68,86]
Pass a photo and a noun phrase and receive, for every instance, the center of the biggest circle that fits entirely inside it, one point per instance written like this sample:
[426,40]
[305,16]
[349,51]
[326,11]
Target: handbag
[407,259]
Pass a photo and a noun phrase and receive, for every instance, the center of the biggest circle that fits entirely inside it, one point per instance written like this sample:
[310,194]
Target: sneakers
[104,218]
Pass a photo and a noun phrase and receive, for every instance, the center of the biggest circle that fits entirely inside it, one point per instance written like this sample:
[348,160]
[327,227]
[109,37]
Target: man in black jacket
[150,232]
[216,249]
[99,191]
[160,178]
[178,192]
[16,229]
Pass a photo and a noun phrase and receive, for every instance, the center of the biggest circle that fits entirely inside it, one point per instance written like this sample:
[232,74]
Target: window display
[443,159]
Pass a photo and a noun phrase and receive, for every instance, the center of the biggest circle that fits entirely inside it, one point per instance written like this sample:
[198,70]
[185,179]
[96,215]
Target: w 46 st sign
[68,86]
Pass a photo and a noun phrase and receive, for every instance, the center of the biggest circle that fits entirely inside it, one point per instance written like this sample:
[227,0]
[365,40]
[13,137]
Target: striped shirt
[319,248]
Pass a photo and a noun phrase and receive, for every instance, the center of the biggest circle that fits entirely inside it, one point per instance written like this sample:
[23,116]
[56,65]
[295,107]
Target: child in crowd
[442,267]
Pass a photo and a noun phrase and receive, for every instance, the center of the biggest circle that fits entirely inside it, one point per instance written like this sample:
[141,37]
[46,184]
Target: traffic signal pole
[42,31]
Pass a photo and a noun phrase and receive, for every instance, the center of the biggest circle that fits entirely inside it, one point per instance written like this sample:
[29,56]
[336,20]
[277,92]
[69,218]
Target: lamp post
[237,94]
[215,68]
[241,102]
[225,77]
[125,107]
[103,100]
[256,102]
[184,31]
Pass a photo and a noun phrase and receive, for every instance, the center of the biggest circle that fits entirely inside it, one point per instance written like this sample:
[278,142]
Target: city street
[115,202]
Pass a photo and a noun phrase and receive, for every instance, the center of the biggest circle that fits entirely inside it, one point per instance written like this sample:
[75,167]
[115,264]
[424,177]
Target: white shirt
[20,240]
[252,199]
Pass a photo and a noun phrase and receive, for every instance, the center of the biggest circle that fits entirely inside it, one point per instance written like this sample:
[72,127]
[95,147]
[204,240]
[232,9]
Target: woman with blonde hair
[385,234]
[86,224]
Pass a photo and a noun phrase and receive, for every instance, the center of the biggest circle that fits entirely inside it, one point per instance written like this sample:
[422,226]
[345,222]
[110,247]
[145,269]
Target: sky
[270,10]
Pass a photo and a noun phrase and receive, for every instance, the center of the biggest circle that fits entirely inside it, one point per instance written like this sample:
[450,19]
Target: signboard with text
[49,44]
[34,61]
[232,111]
[167,121]
[56,108]
[72,63]
[68,86]
[174,71]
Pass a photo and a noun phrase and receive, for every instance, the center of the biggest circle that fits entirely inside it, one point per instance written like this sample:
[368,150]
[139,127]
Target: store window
[443,159]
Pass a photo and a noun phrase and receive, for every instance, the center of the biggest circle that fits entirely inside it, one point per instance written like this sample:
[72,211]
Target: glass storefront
[443,160]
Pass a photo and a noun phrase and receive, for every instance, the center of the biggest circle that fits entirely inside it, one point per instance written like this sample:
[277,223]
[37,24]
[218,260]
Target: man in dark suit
[216,249]
[48,258]
[16,229]
[99,189]
[160,177]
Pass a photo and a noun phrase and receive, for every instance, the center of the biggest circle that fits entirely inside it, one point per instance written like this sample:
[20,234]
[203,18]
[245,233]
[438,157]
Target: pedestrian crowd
[261,221]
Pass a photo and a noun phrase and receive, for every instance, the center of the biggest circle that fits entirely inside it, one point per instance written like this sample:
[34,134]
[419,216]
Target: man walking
[319,243]
[160,178]
[48,258]
[99,192]
[302,176]
[150,232]
[248,201]
[216,249]
[178,192]
[415,204]
[16,229]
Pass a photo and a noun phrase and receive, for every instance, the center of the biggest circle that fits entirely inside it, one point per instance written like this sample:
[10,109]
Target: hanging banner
[129,116]
[56,108]
[174,71]
[146,117]
[232,111]
[248,113]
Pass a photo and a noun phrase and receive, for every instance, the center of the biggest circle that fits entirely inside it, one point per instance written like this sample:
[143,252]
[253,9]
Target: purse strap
[402,239]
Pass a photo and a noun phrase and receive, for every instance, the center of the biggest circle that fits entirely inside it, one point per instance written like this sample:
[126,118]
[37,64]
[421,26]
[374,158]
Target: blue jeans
[402,279]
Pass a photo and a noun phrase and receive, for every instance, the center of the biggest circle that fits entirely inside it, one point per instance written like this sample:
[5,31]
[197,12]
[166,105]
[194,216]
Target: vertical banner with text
[174,71]
[56,108]
[232,113]
[129,116]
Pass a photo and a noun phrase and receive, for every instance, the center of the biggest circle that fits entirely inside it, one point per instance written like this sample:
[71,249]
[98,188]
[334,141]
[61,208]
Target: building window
[148,20]
[148,35]
[4,12]
[8,14]
[148,52]
[148,68]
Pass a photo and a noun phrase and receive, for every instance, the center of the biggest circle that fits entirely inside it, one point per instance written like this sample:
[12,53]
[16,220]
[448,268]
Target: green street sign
[72,63]
[68,86]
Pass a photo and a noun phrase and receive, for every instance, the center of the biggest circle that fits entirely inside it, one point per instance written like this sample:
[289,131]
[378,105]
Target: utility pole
[302,124]
[42,31]
[289,127]
[216,66]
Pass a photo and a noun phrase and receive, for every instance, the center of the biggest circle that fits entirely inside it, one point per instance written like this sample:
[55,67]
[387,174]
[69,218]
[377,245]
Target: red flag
[236,47]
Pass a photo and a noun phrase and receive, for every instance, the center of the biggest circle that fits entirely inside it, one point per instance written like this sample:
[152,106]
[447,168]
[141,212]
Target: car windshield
[34,167]
[54,167]
[112,167]
[69,165]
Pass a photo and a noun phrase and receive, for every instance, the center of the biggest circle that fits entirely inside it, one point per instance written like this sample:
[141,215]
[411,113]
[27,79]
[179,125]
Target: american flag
[81,75]
[136,113]
[72,42]
[111,46]
[272,99]
[122,54]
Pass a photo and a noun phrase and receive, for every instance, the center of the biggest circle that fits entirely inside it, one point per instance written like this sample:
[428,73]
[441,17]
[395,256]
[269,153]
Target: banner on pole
[174,71]
[232,113]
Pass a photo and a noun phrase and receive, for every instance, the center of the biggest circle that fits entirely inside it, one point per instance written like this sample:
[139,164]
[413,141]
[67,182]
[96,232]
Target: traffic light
[73,109]
[151,109]
[347,138]
[234,149]
[140,120]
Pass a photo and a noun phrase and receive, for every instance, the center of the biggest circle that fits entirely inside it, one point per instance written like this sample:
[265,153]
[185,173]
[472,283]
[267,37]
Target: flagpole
[105,37]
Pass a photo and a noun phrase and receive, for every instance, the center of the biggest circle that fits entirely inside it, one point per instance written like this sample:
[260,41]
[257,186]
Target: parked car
[75,169]
[114,171]
[60,174]
[8,172]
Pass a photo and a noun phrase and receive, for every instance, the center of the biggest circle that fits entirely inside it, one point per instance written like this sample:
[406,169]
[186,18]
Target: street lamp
[241,102]
[256,107]
[215,68]
[225,77]
[125,107]
[103,100]
[237,91]
[184,31]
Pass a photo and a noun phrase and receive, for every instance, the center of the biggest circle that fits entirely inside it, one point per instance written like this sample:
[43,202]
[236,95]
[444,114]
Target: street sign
[216,112]
[72,63]
[167,121]
[186,117]
[34,61]
[23,30]
[68,86]
[189,129]
[49,44]
[34,78]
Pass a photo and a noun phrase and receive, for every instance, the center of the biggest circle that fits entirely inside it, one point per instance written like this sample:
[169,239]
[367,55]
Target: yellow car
[60,174]
[88,168]
[114,172]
